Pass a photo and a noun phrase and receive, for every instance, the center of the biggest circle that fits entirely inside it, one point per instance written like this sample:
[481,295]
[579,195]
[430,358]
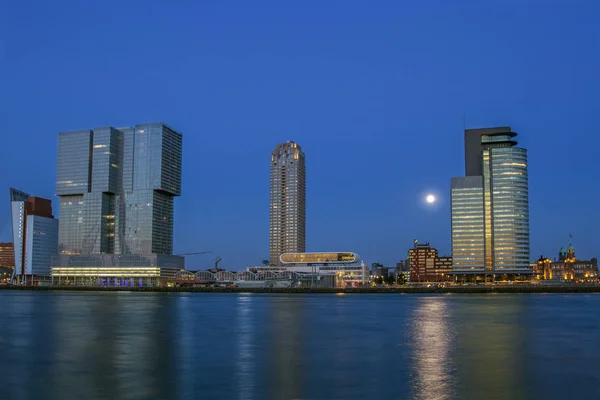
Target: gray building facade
[35,235]
[288,201]
[490,205]
[117,189]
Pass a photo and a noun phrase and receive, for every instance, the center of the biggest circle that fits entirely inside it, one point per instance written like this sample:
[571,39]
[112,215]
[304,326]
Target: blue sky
[374,92]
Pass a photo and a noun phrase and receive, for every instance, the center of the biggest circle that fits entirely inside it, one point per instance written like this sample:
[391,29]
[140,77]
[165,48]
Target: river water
[69,345]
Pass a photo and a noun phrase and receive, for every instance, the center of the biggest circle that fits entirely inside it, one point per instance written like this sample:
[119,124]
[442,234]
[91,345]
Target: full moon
[430,199]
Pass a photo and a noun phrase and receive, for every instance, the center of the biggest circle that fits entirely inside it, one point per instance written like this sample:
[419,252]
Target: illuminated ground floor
[481,277]
[109,270]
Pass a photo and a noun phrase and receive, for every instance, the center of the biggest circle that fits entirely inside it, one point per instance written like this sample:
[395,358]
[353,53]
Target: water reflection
[186,337]
[90,346]
[286,374]
[431,335]
[16,329]
[136,346]
[245,363]
[490,346]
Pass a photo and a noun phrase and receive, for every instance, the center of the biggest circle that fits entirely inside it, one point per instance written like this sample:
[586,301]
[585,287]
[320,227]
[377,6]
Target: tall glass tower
[116,189]
[288,201]
[490,205]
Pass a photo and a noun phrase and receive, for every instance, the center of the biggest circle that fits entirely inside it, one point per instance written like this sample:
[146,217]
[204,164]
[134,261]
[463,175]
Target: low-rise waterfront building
[328,269]
[115,270]
[567,268]
[7,255]
[427,266]
[7,261]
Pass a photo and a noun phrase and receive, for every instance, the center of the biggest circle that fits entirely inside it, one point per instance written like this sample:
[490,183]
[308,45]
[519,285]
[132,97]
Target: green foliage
[378,281]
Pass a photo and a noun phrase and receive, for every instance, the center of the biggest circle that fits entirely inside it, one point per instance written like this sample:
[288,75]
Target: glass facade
[510,208]
[288,201]
[74,165]
[42,239]
[115,270]
[18,232]
[35,237]
[319,258]
[116,189]
[490,211]
[468,227]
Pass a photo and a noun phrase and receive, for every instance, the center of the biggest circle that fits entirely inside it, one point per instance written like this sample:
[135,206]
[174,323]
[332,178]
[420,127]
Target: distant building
[402,271]
[403,265]
[427,266]
[567,268]
[490,206]
[378,270]
[35,236]
[7,255]
[288,202]
[7,261]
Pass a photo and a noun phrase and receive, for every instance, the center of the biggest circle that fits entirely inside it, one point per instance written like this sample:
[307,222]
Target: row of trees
[390,280]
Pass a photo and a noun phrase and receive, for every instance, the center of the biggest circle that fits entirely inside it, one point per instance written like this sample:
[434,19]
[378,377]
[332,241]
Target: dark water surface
[66,345]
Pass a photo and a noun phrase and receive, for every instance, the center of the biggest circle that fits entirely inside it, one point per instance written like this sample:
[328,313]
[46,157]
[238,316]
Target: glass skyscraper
[490,205]
[288,201]
[116,189]
[35,235]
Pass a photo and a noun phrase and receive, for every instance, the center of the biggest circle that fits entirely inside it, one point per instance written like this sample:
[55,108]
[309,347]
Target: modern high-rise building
[35,235]
[117,188]
[288,201]
[490,205]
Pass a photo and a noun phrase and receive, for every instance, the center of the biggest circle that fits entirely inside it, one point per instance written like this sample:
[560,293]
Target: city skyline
[469,162]
[380,117]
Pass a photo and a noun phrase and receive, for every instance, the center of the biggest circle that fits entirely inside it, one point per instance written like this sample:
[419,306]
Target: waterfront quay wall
[355,290]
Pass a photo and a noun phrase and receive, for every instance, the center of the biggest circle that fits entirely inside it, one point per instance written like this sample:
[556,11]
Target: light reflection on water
[90,346]
[245,342]
[432,338]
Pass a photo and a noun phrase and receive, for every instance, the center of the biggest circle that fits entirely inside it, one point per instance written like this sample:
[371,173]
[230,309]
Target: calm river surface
[66,345]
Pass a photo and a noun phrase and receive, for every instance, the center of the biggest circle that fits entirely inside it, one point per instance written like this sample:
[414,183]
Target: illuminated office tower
[490,205]
[288,201]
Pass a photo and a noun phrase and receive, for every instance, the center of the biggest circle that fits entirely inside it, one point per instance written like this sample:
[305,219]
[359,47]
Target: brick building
[427,266]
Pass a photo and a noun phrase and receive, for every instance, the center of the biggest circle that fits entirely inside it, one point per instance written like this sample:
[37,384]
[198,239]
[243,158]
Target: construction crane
[217,269]
[193,254]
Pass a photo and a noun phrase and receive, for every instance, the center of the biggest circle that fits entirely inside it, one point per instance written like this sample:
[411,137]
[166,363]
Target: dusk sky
[373,91]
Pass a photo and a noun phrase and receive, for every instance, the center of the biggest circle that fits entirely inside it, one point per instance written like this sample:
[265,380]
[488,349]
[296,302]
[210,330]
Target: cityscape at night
[299,200]
[117,190]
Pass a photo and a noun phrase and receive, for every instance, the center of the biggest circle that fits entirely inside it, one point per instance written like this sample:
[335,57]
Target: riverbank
[358,290]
